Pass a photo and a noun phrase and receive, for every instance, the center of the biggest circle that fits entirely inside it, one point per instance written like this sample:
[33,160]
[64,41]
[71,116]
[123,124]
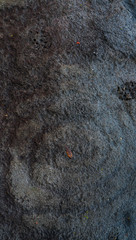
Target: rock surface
[68,81]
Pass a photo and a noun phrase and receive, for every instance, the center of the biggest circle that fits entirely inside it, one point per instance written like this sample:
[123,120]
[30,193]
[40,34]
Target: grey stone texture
[56,93]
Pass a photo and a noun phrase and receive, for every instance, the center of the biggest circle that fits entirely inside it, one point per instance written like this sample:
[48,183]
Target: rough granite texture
[56,94]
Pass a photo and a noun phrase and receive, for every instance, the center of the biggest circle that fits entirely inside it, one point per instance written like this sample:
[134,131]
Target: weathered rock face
[68,80]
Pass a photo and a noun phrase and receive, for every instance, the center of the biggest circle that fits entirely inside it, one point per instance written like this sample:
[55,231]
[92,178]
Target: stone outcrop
[68,81]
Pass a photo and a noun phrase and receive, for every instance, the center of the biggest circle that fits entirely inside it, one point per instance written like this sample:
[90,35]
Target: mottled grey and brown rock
[68,80]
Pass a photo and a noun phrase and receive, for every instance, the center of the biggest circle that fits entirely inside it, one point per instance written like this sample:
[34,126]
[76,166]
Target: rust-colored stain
[78,42]
[69,153]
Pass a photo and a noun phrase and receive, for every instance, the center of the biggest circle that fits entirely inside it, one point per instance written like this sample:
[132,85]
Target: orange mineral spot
[78,42]
[36,222]
[69,153]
